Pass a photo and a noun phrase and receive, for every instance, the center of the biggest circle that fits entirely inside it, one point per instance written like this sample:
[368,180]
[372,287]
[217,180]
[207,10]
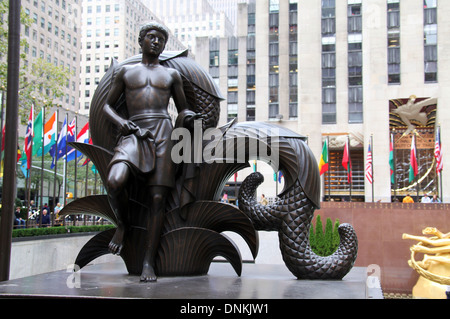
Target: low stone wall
[37,255]
[379,227]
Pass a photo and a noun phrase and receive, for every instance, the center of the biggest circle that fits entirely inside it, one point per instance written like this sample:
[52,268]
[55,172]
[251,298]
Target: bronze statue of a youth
[144,146]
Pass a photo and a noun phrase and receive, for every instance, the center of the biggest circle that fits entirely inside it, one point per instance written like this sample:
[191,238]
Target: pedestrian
[408,199]
[263,200]
[45,222]
[18,222]
[57,210]
[435,199]
[225,198]
[426,199]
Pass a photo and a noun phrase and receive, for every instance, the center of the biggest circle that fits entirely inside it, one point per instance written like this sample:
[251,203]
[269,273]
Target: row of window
[98,8]
[355,57]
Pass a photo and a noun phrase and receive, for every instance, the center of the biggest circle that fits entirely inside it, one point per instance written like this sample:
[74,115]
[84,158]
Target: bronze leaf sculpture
[194,219]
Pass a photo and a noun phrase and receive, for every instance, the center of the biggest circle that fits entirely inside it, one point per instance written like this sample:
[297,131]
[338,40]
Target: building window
[232,111]
[293,60]
[430,40]
[328,62]
[393,23]
[273,58]
[355,62]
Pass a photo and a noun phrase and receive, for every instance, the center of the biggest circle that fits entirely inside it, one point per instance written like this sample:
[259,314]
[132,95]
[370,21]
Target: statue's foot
[148,274]
[115,246]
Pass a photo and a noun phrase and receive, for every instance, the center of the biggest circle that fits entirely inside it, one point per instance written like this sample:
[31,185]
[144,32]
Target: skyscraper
[189,19]
[110,30]
[336,69]
[55,37]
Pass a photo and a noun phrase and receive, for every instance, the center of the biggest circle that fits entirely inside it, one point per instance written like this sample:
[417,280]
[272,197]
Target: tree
[324,243]
[41,82]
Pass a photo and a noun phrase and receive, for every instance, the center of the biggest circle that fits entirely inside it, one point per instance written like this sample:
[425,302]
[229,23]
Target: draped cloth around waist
[148,151]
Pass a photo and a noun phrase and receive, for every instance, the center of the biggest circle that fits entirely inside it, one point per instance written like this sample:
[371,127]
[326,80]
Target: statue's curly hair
[153,26]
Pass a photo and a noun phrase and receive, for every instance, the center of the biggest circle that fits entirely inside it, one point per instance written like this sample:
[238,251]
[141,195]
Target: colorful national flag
[323,164]
[347,163]
[62,141]
[29,139]
[369,165]
[82,137]
[413,166]
[87,160]
[49,134]
[438,152]
[280,176]
[391,159]
[38,131]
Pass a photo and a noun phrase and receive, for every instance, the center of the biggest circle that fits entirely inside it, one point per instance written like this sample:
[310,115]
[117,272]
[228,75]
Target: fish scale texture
[291,215]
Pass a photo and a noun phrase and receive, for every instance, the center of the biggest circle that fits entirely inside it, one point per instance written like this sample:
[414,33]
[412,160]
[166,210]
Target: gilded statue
[434,269]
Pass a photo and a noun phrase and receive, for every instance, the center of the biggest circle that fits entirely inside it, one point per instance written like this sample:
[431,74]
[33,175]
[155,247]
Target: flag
[391,159]
[413,167]
[87,160]
[438,152]
[347,163]
[52,152]
[23,168]
[83,136]
[369,165]
[19,153]
[29,139]
[280,175]
[71,152]
[323,164]
[61,145]
[37,131]
[49,134]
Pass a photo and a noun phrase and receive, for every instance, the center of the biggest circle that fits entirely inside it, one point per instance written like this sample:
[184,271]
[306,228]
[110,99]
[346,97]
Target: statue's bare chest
[148,77]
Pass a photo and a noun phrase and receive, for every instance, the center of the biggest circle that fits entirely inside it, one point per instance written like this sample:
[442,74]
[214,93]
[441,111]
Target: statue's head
[153,26]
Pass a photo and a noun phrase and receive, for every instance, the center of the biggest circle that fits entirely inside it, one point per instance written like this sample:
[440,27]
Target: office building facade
[344,71]
[189,19]
[110,30]
[55,37]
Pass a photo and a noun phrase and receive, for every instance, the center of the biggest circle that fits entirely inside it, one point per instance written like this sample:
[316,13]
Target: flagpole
[328,170]
[56,165]
[417,159]
[394,168]
[438,138]
[371,166]
[76,157]
[31,157]
[65,165]
[349,167]
[42,163]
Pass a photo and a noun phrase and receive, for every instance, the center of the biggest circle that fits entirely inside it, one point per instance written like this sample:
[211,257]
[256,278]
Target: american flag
[369,166]
[438,152]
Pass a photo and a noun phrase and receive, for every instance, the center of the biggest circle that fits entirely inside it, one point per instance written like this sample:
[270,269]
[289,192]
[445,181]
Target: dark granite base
[111,280]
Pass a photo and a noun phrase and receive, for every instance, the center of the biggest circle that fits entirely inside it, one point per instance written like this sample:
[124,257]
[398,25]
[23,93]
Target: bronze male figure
[144,146]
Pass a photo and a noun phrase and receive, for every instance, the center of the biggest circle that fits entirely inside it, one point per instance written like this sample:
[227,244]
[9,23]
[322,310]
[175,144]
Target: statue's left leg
[155,223]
